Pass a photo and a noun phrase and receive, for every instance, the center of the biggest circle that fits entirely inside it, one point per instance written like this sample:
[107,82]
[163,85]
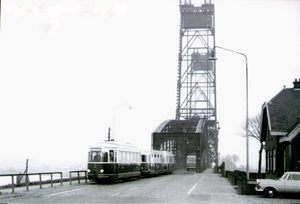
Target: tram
[155,162]
[169,162]
[110,160]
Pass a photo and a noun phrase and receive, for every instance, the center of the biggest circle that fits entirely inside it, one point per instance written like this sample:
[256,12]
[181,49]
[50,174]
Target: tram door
[113,160]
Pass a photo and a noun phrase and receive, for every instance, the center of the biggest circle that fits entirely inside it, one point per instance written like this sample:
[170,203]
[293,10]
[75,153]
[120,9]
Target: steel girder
[183,138]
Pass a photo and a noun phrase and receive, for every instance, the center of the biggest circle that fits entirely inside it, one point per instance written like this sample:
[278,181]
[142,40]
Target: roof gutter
[291,135]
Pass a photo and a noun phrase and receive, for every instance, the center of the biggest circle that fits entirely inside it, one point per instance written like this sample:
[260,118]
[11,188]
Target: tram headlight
[88,170]
[101,171]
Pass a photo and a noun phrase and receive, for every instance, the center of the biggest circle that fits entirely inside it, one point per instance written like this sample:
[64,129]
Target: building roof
[284,110]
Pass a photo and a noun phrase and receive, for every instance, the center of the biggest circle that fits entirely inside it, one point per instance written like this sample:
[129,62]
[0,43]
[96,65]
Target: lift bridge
[194,131]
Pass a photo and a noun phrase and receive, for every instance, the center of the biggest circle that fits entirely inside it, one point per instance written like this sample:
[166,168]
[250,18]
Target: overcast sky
[71,69]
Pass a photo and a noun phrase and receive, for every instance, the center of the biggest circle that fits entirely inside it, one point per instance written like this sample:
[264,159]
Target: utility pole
[19,178]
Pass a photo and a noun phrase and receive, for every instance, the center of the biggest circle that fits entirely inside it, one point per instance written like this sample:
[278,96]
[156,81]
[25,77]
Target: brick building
[280,131]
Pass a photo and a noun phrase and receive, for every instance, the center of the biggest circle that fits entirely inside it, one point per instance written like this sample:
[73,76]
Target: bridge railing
[238,179]
[40,181]
[78,176]
[28,183]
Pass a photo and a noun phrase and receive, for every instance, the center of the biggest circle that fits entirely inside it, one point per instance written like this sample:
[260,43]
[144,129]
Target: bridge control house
[280,131]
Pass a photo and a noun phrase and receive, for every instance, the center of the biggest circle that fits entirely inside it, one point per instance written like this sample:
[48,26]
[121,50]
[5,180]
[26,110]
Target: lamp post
[247,115]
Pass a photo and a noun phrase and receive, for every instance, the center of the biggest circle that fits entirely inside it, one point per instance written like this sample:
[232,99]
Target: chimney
[296,84]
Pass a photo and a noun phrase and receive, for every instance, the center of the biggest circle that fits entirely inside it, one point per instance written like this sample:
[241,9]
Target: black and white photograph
[162,101]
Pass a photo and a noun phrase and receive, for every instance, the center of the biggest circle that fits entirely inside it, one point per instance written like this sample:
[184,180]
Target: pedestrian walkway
[213,188]
[214,183]
[208,171]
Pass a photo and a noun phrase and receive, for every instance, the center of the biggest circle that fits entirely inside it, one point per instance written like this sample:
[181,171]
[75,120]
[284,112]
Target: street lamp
[247,115]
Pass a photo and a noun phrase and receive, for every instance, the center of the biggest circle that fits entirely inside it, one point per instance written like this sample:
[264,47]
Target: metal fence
[78,176]
[41,181]
[239,180]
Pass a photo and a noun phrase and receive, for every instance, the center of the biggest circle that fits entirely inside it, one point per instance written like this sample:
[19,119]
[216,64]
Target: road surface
[179,187]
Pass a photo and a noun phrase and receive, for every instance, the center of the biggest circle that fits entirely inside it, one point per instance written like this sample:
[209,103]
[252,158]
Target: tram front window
[97,156]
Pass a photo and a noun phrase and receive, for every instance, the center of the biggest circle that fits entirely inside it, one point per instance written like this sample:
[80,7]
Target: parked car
[289,183]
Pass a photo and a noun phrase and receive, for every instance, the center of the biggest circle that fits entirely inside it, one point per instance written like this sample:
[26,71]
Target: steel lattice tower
[196,83]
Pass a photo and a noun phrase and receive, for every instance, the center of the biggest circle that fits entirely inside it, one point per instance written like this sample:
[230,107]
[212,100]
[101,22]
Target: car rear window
[296,177]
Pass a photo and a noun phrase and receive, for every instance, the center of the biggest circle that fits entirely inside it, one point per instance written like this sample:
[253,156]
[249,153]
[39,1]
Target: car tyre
[270,192]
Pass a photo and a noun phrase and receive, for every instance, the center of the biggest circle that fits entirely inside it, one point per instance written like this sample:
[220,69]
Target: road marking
[116,194]
[54,194]
[195,186]
[119,192]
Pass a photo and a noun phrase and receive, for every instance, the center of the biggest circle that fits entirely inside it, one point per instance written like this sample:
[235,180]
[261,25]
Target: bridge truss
[196,83]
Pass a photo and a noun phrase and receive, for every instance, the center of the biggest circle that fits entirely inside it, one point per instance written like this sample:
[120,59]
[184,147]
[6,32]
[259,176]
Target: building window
[267,161]
[274,160]
[270,161]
